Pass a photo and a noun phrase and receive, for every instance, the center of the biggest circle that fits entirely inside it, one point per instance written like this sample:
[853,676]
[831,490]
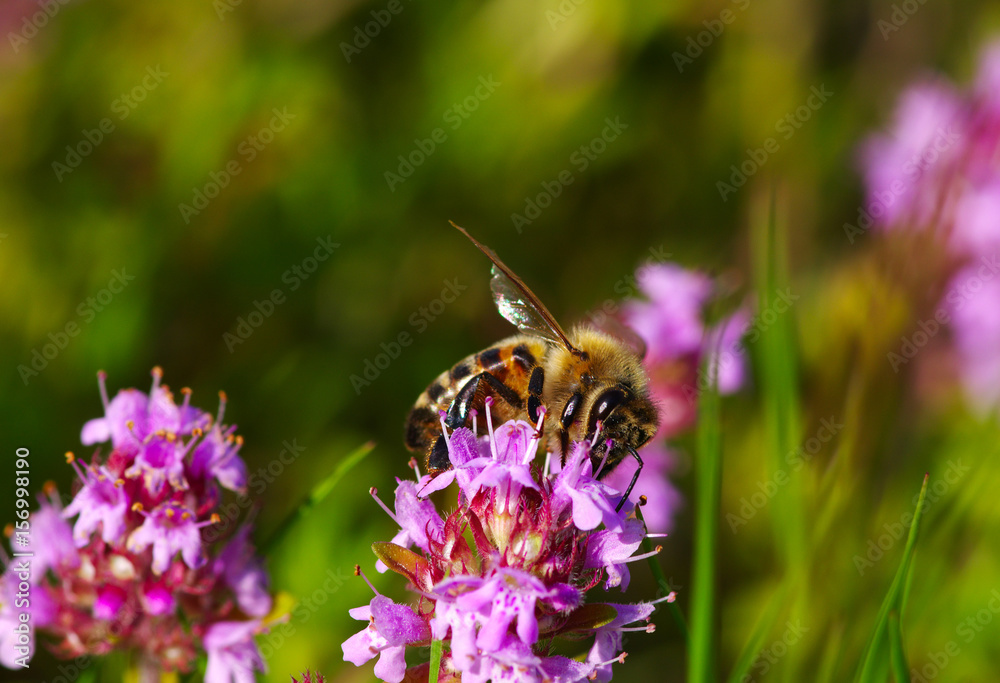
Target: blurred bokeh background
[204,151]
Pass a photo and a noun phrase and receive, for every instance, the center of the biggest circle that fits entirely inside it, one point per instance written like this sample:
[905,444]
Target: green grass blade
[708,487]
[315,497]
[756,641]
[874,658]
[437,650]
[896,653]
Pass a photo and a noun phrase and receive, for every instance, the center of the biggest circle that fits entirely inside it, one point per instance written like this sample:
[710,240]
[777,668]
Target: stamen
[635,558]
[489,426]
[358,572]
[157,376]
[373,492]
[222,407]
[101,378]
[475,426]
[657,535]
[597,433]
[415,466]
[137,507]
[444,428]
[669,597]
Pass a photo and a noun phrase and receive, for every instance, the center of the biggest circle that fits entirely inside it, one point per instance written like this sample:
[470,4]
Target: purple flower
[590,499]
[160,460]
[671,321]
[975,320]
[244,574]
[508,595]
[921,149]
[608,640]
[390,629]
[612,550]
[938,171]
[512,450]
[102,502]
[505,573]
[132,415]
[216,456]
[417,517]
[113,572]
[170,528]
[51,540]
[232,654]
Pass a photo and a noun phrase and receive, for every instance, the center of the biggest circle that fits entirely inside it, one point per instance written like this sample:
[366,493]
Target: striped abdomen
[509,363]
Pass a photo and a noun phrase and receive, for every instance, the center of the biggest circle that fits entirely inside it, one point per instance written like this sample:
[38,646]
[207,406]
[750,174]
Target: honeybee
[587,379]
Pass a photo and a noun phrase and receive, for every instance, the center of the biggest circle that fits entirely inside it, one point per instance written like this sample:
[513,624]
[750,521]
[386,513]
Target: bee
[588,380]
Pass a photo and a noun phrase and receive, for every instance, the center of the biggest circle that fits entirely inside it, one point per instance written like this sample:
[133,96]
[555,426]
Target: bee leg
[635,478]
[437,458]
[535,385]
[472,395]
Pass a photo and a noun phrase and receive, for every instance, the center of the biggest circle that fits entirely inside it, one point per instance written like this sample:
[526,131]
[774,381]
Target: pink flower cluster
[125,566]
[509,570]
[938,170]
[671,321]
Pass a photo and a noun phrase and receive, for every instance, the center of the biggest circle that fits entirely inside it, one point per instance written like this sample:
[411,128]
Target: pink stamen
[222,407]
[415,466]
[635,558]
[444,428]
[157,374]
[597,433]
[373,492]
[474,414]
[358,572]
[101,382]
[669,597]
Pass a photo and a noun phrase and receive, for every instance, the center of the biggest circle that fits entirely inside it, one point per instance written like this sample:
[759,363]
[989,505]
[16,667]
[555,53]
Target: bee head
[626,419]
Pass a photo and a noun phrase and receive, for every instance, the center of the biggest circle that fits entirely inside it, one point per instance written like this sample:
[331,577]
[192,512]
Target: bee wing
[518,304]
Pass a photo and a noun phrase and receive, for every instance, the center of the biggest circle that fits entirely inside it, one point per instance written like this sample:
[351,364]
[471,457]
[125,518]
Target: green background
[562,70]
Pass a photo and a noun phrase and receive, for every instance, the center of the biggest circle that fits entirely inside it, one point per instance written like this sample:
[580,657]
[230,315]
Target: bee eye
[605,404]
[570,410]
